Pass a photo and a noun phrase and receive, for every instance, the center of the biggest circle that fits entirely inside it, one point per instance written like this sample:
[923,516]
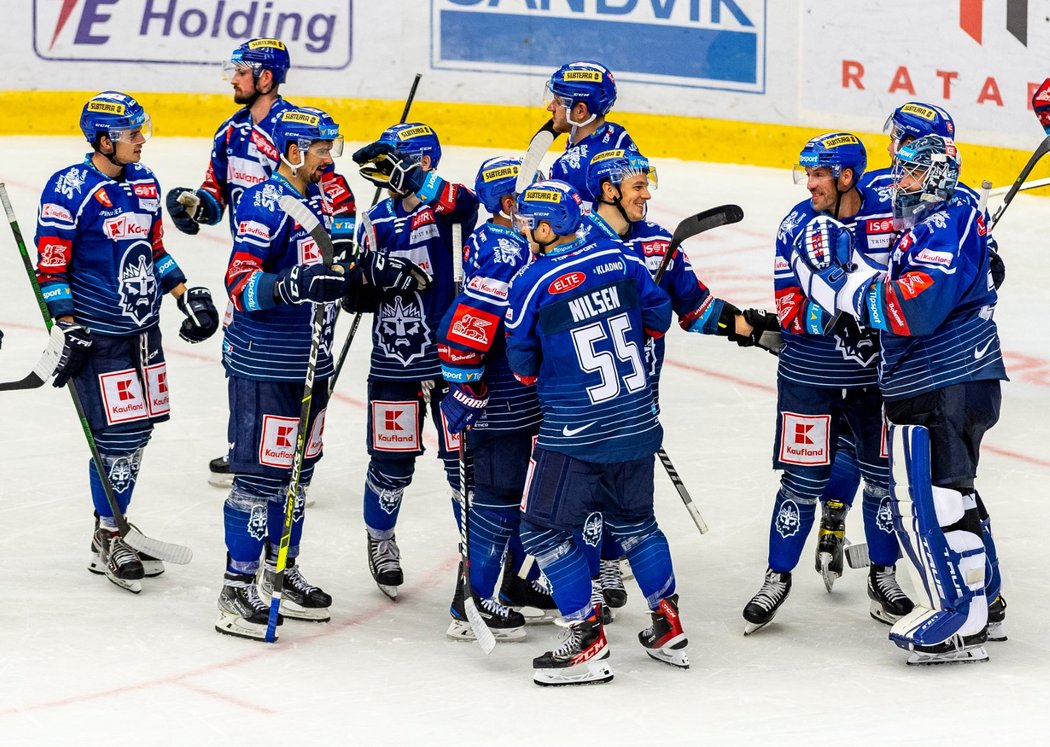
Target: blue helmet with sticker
[835,151]
[113,114]
[259,55]
[616,165]
[496,179]
[587,81]
[305,125]
[414,139]
[925,174]
[915,119]
[551,201]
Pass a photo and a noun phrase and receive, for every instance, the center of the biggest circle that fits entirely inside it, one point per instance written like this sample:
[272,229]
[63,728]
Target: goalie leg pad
[947,566]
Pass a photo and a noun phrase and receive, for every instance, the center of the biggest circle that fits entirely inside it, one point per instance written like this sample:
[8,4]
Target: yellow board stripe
[506,129]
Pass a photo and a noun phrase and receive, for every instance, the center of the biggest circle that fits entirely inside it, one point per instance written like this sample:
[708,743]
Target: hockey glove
[75,351]
[189,208]
[202,320]
[996,266]
[392,273]
[1041,105]
[1,338]
[765,331]
[318,283]
[464,405]
[407,176]
[371,152]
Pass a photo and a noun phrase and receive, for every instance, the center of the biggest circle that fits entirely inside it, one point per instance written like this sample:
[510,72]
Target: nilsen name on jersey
[594,304]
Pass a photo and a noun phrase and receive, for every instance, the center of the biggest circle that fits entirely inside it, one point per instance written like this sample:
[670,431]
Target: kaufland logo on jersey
[717,44]
[202,32]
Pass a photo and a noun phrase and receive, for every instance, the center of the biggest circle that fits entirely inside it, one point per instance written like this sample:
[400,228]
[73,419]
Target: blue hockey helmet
[616,165]
[925,174]
[305,125]
[552,201]
[496,179]
[915,119]
[587,81]
[414,139]
[835,151]
[259,55]
[114,114]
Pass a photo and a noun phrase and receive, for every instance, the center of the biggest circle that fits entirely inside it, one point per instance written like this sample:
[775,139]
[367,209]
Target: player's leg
[836,502]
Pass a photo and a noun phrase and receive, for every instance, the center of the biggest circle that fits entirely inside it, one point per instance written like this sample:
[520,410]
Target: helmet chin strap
[618,204]
[112,157]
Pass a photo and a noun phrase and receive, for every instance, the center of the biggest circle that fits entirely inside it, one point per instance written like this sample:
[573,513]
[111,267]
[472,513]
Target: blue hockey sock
[490,529]
[589,540]
[611,549]
[385,485]
[993,581]
[123,470]
[245,520]
[650,557]
[845,478]
[878,526]
[788,530]
[516,557]
[565,566]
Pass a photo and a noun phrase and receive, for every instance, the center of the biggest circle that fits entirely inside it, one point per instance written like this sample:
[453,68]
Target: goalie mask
[925,174]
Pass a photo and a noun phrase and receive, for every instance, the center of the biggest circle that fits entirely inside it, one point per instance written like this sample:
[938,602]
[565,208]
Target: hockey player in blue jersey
[940,373]
[103,270]
[827,373]
[275,274]
[502,414]
[576,322]
[579,95]
[244,154]
[404,380]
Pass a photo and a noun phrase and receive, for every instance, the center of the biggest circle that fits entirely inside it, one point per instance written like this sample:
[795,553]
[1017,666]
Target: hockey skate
[830,541]
[997,619]
[114,558]
[581,659]
[242,612]
[598,602]
[219,474]
[300,600]
[612,584]
[664,639]
[151,566]
[955,650]
[763,607]
[505,623]
[888,602]
[531,598]
[384,561]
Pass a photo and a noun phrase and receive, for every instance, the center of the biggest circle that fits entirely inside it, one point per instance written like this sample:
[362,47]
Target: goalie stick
[167,551]
[692,226]
[44,367]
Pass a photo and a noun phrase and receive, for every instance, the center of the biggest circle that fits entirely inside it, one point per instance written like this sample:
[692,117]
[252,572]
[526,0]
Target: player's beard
[245,99]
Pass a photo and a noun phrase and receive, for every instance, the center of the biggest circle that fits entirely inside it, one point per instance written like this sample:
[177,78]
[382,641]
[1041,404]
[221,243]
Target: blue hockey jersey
[267,341]
[576,326]
[571,166]
[100,249]
[471,340]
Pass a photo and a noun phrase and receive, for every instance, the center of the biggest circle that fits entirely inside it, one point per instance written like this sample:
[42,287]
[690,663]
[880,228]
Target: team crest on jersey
[938,220]
[788,225]
[573,156]
[267,197]
[787,522]
[506,251]
[123,471]
[403,335]
[138,285]
[884,517]
[592,529]
[71,181]
[257,522]
[856,344]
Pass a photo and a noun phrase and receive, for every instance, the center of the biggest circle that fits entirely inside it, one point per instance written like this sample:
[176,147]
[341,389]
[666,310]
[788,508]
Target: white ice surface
[82,662]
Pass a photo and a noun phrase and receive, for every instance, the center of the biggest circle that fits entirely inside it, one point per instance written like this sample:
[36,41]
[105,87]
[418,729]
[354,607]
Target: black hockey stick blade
[683,492]
[1040,151]
[696,224]
[297,210]
[530,162]
[44,367]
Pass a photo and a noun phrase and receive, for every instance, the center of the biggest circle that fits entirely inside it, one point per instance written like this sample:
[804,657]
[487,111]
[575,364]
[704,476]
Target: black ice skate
[505,623]
[997,619]
[664,639]
[151,566]
[384,561]
[763,607]
[531,598]
[219,472]
[242,612]
[300,600]
[955,650]
[830,541]
[888,602]
[581,659]
[116,559]
[612,584]
[598,602]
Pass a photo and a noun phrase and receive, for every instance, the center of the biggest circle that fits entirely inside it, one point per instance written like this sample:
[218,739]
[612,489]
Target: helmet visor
[550,96]
[232,67]
[325,148]
[134,135]
[802,174]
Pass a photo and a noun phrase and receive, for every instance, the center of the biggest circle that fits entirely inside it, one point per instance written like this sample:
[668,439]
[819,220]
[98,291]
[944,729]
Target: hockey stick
[481,631]
[44,367]
[857,555]
[307,220]
[370,236]
[168,551]
[364,217]
[1039,106]
[1034,184]
[538,147]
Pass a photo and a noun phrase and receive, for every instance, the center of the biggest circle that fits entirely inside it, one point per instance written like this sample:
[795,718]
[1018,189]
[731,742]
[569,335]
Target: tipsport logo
[971,19]
[718,44]
[196,32]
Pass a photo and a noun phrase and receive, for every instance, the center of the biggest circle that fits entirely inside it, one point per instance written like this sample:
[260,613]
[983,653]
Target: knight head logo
[884,517]
[138,284]
[787,521]
[403,335]
[257,522]
[592,529]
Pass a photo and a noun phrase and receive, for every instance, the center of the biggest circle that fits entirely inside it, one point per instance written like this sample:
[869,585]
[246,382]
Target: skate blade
[826,573]
[307,614]
[234,625]
[132,585]
[674,655]
[878,612]
[997,632]
[390,591]
[150,568]
[962,656]
[537,616]
[594,672]
[460,630]
[220,480]
[751,627]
